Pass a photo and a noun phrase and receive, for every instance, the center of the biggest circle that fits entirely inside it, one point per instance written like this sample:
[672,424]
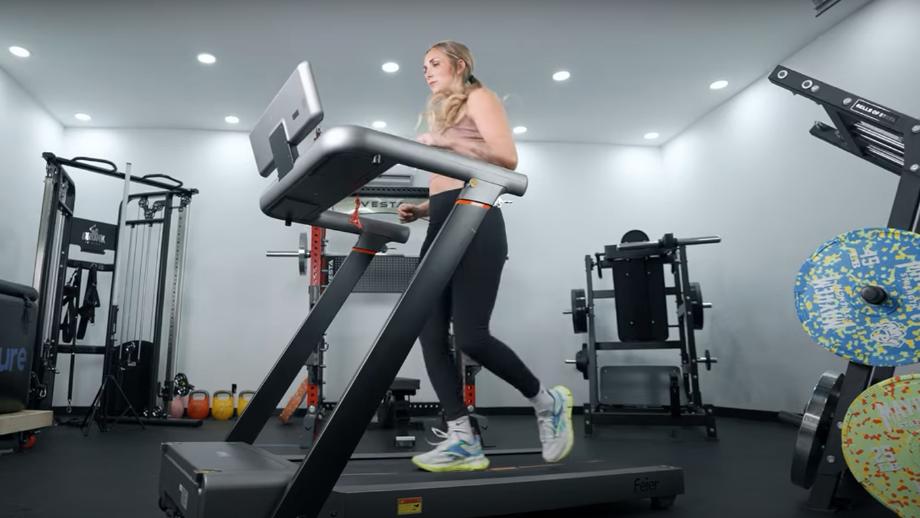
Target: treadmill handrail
[342,222]
[299,195]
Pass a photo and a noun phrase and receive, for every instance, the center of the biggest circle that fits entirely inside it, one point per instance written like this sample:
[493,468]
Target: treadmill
[237,478]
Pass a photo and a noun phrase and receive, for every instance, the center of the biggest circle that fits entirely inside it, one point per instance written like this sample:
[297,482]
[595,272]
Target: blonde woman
[467,118]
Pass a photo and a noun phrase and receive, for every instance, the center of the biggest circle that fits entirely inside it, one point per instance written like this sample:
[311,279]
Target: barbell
[302,254]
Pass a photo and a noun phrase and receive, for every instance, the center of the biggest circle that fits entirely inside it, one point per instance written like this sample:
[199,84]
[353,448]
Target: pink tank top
[465,129]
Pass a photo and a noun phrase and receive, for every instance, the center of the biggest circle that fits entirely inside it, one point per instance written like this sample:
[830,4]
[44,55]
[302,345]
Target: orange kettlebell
[198,404]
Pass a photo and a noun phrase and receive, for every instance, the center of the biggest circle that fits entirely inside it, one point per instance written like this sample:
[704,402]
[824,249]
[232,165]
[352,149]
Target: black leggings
[468,301]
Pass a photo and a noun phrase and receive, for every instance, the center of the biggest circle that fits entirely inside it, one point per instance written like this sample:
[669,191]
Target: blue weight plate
[858,296]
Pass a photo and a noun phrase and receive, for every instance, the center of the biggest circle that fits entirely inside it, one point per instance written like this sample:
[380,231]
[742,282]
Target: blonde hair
[444,108]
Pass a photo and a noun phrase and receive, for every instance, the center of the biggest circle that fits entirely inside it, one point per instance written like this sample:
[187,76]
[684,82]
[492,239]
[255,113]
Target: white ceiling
[637,66]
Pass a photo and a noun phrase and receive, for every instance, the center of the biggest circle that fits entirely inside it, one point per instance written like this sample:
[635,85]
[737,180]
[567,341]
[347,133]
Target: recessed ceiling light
[232,119]
[652,135]
[718,85]
[207,59]
[379,124]
[518,130]
[562,75]
[82,117]
[390,67]
[20,52]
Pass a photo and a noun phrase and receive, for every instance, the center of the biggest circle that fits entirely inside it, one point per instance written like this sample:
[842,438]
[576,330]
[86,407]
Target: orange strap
[474,203]
[355,220]
[367,251]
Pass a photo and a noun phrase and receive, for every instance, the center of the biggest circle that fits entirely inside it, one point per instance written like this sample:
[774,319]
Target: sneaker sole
[569,431]
[472,464]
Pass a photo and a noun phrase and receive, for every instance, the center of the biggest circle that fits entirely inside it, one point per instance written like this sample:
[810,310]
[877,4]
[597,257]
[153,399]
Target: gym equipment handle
[708,240]
[286,253]
[669,243]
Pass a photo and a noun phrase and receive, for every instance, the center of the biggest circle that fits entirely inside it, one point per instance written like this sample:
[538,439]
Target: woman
[465,117]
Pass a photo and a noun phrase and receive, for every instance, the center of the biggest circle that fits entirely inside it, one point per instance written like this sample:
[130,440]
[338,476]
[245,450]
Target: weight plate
[829,296]
[816,423]
[579,311]
[695,303]
[881,443]
[303,256]
[634,236]
[582,363]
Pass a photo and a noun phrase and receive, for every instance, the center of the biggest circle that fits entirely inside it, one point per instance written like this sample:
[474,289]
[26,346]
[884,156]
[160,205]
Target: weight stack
[132,365]
[18,325]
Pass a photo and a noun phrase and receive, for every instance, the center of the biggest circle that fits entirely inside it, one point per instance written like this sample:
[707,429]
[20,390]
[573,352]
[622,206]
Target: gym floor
[744,474]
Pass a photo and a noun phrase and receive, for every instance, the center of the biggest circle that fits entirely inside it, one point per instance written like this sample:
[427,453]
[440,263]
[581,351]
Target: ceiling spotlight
[652,135]
[718,85]
[390,67]
[562,75]
[379,124]
[20,52]
[518,130]
[232,119]
[82,117]
[207,59]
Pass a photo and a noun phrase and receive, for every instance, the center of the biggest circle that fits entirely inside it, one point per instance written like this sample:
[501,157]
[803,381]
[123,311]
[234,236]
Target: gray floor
[744,474]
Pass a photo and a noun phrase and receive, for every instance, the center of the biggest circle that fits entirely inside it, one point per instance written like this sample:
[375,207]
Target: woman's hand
[409,213]
[432,139]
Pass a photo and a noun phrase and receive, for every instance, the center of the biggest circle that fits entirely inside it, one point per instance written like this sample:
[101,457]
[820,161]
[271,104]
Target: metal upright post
[175,305]
[324,463]
[592,368]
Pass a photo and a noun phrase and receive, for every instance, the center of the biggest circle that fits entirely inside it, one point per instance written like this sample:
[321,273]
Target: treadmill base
[220,479]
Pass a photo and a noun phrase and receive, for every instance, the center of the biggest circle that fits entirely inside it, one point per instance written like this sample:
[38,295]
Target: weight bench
[395,412]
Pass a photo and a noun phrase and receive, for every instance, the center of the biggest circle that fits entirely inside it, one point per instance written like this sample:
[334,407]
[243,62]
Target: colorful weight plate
[829,296]
[881,443]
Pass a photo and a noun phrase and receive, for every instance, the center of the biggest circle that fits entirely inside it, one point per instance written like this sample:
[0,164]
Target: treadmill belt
[513,484]
[404,472]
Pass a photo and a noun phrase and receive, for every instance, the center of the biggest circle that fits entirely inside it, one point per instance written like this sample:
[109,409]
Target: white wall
[241,308]
[26,130]
[750,172]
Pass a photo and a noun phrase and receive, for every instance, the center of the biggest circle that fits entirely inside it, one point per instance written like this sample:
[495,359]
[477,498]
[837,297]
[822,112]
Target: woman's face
[438,72]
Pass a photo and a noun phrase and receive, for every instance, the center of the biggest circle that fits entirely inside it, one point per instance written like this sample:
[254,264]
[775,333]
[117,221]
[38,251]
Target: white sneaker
[454,453]
[555,426]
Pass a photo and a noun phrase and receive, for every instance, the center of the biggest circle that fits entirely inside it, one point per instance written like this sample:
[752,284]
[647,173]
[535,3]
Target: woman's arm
[423,209]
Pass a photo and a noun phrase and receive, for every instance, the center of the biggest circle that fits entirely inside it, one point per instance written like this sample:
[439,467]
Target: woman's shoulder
[482,95]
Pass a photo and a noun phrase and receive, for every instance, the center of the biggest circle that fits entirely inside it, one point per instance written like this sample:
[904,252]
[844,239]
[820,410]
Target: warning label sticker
[407,506]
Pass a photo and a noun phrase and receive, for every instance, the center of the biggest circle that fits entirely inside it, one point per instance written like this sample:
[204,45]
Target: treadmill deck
[208,479]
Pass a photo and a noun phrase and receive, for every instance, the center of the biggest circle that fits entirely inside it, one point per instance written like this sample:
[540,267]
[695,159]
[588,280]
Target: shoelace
[547,430]
[441,434]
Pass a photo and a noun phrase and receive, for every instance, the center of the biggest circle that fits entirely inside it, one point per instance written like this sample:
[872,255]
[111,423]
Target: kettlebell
[198,404]
[176,408]
[222,405]
[245,397]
